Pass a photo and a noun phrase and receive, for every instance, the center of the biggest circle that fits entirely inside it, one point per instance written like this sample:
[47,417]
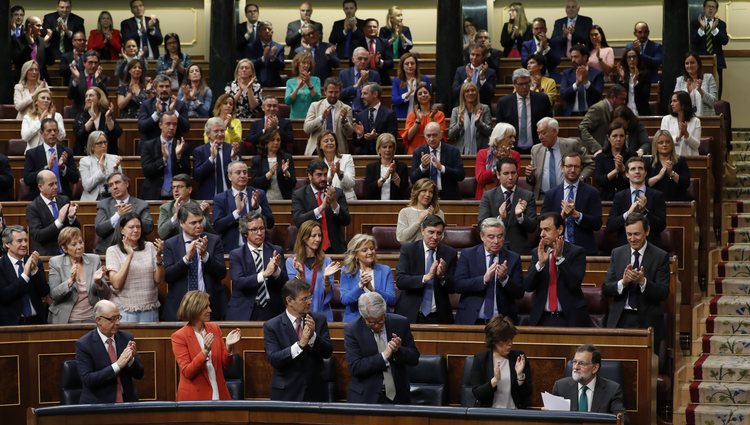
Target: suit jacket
[450,158]
[36,160]
[552,57]
[129,29]
[655,264]
[372,175]
[95,369]
[303,206]
[314,125]
[580,35]
[21,52]
[351,95]
[244,43]
[106,234]
[516,234]
[188,352]
[339,39]
[268,71]
[385,122]
[245,284]
[470,284]
[569,294]
[651,55]
[167,229]
[259,167]
[538,153]
[642,91]
[607,395]
[77,92]
[14,290]
[593,92]
[595,125]
[82,135]
[225,223]
[294,36]
[154,167]
[386,57]
[42,229]
[403,45]
[6,179]
[176,275]
[148,128]
[297,378]
[507,111]
[719,40]
[252,142]
[482,372]
[486,90]
[65,60]
[588,203]
[409,273]
[64,298]
[74,23]
[366,365]
[204,171]
[656,211]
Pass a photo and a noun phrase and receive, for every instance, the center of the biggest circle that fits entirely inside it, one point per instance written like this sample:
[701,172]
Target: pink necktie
[113,358]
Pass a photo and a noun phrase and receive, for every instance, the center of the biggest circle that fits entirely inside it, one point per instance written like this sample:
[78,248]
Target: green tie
[709,41]
[583,401]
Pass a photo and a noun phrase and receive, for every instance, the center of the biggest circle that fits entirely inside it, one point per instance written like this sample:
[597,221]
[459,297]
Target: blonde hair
[34,111]
[103,101]
[461,102]
[521,22]
[350,264]
[221,100]
[192,305]
[67,234]
[25,70]
[93,137]
[393,10]
[422,185]
[384,139]
[655,149]
[240,62]
[301,57]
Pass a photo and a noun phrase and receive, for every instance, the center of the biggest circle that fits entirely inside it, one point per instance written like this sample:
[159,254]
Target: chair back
[467,395]
[70,383]
[428,381]
[235,378]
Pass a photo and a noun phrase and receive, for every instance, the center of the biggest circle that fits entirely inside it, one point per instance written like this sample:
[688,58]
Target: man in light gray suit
[518,215]
[168,224]
[109,211]
[544,172]
[329,114]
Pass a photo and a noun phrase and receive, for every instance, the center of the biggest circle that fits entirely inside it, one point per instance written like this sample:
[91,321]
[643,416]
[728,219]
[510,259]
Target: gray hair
[212,122]
[245,221]
[501,131]
[235,162]
[374,87]
[550,122]
[520,73]
[93,137]
[8,233]
[371,304]
[360,50]
[491,222]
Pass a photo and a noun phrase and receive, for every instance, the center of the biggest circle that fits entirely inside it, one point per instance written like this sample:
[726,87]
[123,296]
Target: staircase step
[742,180]
[739,155]
[740,145]
[732,286]
[732,393]
[735,268]
[728,325]
[737,252]
[711,367]
[740,220]
[703,414]
[730,305]
[737,193]
[727,345]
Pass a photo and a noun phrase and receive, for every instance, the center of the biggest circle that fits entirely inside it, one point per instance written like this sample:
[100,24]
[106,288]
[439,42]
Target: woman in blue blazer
[362,274]
[395,33]
[405,85]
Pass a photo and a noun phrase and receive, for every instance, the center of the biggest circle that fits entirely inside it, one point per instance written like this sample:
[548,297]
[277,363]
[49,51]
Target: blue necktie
[489,294]
[433,170]
[167,185]
[634,290]
[570,230]
[329,120]
[25,300]
[219,169]
[144,37]
[193,272]
[56,168]
[552,169]
[347,43]
[636,195]
[582,99]
[18,31]
[426,307]
[55,211]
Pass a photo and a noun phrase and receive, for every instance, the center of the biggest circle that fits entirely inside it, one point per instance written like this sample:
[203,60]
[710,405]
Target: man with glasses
[75,56]
[324,54]
[586,390]
[107,359]
[92,76]
[296,342]
[182,188]
[294,32]
[523,109]
[257,273]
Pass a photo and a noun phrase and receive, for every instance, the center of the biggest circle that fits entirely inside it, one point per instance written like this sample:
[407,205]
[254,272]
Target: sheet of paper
[553,402]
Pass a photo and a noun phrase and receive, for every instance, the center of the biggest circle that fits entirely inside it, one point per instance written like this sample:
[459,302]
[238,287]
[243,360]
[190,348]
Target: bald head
[433,134]
[46,181]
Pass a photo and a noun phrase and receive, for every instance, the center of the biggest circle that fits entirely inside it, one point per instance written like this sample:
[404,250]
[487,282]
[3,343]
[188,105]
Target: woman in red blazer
[105,39]
[501,143]
[200,352]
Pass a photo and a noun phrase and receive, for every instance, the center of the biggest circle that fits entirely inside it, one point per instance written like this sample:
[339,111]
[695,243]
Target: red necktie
[113,359]
[323,223]
[372,54]
[88,81]
[552,283]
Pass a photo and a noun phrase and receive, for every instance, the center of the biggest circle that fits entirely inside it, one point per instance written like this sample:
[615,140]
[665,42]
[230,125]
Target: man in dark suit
[32,44]
[581,86]
[161,158]
[638,281]
[294,34]
[23,286]
[109,210]
[257,273]
[637,198]
[168,223]
[296,342]
[600,396]
[51,156]
[144,29]
[372,121]
[651,51]
[324,54]
[211,160]
[193,260]
[63,24]
[238,201]
[594,126]
[381,54]
[92,76]
[379,347]
[514,206]
[48,213]
[267,56]
[75,56]
[270,120]
[355,78]
[555,275]
[578,203]
[439,162]
[708,34]
[492,56]
[541,45]
[571,29]
[488,277]
[532,106]
[325,204]
[347,33]
[107,359]
[424,275]
[247,32]
[477,71]
[164,102]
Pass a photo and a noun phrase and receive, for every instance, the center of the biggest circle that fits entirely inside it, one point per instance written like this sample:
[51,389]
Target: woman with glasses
[361,273]
[96,166]
[76,281]
[173,62]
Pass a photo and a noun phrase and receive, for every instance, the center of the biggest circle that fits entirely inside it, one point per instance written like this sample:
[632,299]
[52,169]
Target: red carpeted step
[710,324]
[712,307]
[697,366]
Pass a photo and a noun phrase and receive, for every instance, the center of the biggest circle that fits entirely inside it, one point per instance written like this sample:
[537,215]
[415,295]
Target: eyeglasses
[101,142]
[305,299]
[580,363]
[113,318]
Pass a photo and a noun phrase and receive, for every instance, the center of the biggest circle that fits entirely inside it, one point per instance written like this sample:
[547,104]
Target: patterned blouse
[243,106]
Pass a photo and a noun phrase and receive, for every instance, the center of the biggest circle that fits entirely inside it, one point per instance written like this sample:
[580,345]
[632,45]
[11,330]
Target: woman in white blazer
[340,167]
[95,167]
[701,87]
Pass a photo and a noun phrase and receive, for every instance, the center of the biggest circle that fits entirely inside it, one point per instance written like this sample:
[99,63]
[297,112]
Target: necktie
[18,31]
[323,221]
[25,301]
[634,290]
[33,51]
[55,167]
[62,41]
[390,387]
[193,272]
[570,223]
[88,81]
[144,36]
[522,128]
[262,297]
[569,45]
[113,358]
[583,401]
[167,185]
[636,195]
[347,44]
[329,120]
[298,327]
[475,75]
[373,63]
[709,39]
[508,204]
[552,294]
[433,170]
[426,307]
[53,207]
[371,117]
[489,294]
[582,99]
[552,169]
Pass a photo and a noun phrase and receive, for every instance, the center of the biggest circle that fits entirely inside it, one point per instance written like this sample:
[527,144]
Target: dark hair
[121,223]
[402,73]
[697,57]
[350,1]
[601,34]
[624,113]
[16,8]
[264,139]
[616,124]
[131,65]
[332,80]
[596,356]
[499,328]
[47,121]
[616,90]
[293,287]
[557,219]
[688,111]
[635,158]
[8,233]
[540,60]
[188,208]
[581,48]
[167,38]
[316,164]
[432,220]
[371,20]
[626,68]
[706,1]
[244,221]
[540,19]
[571,154]
[88,53]
[251,4]
[183,177]
[505,160]
[636,217]
[125,178]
